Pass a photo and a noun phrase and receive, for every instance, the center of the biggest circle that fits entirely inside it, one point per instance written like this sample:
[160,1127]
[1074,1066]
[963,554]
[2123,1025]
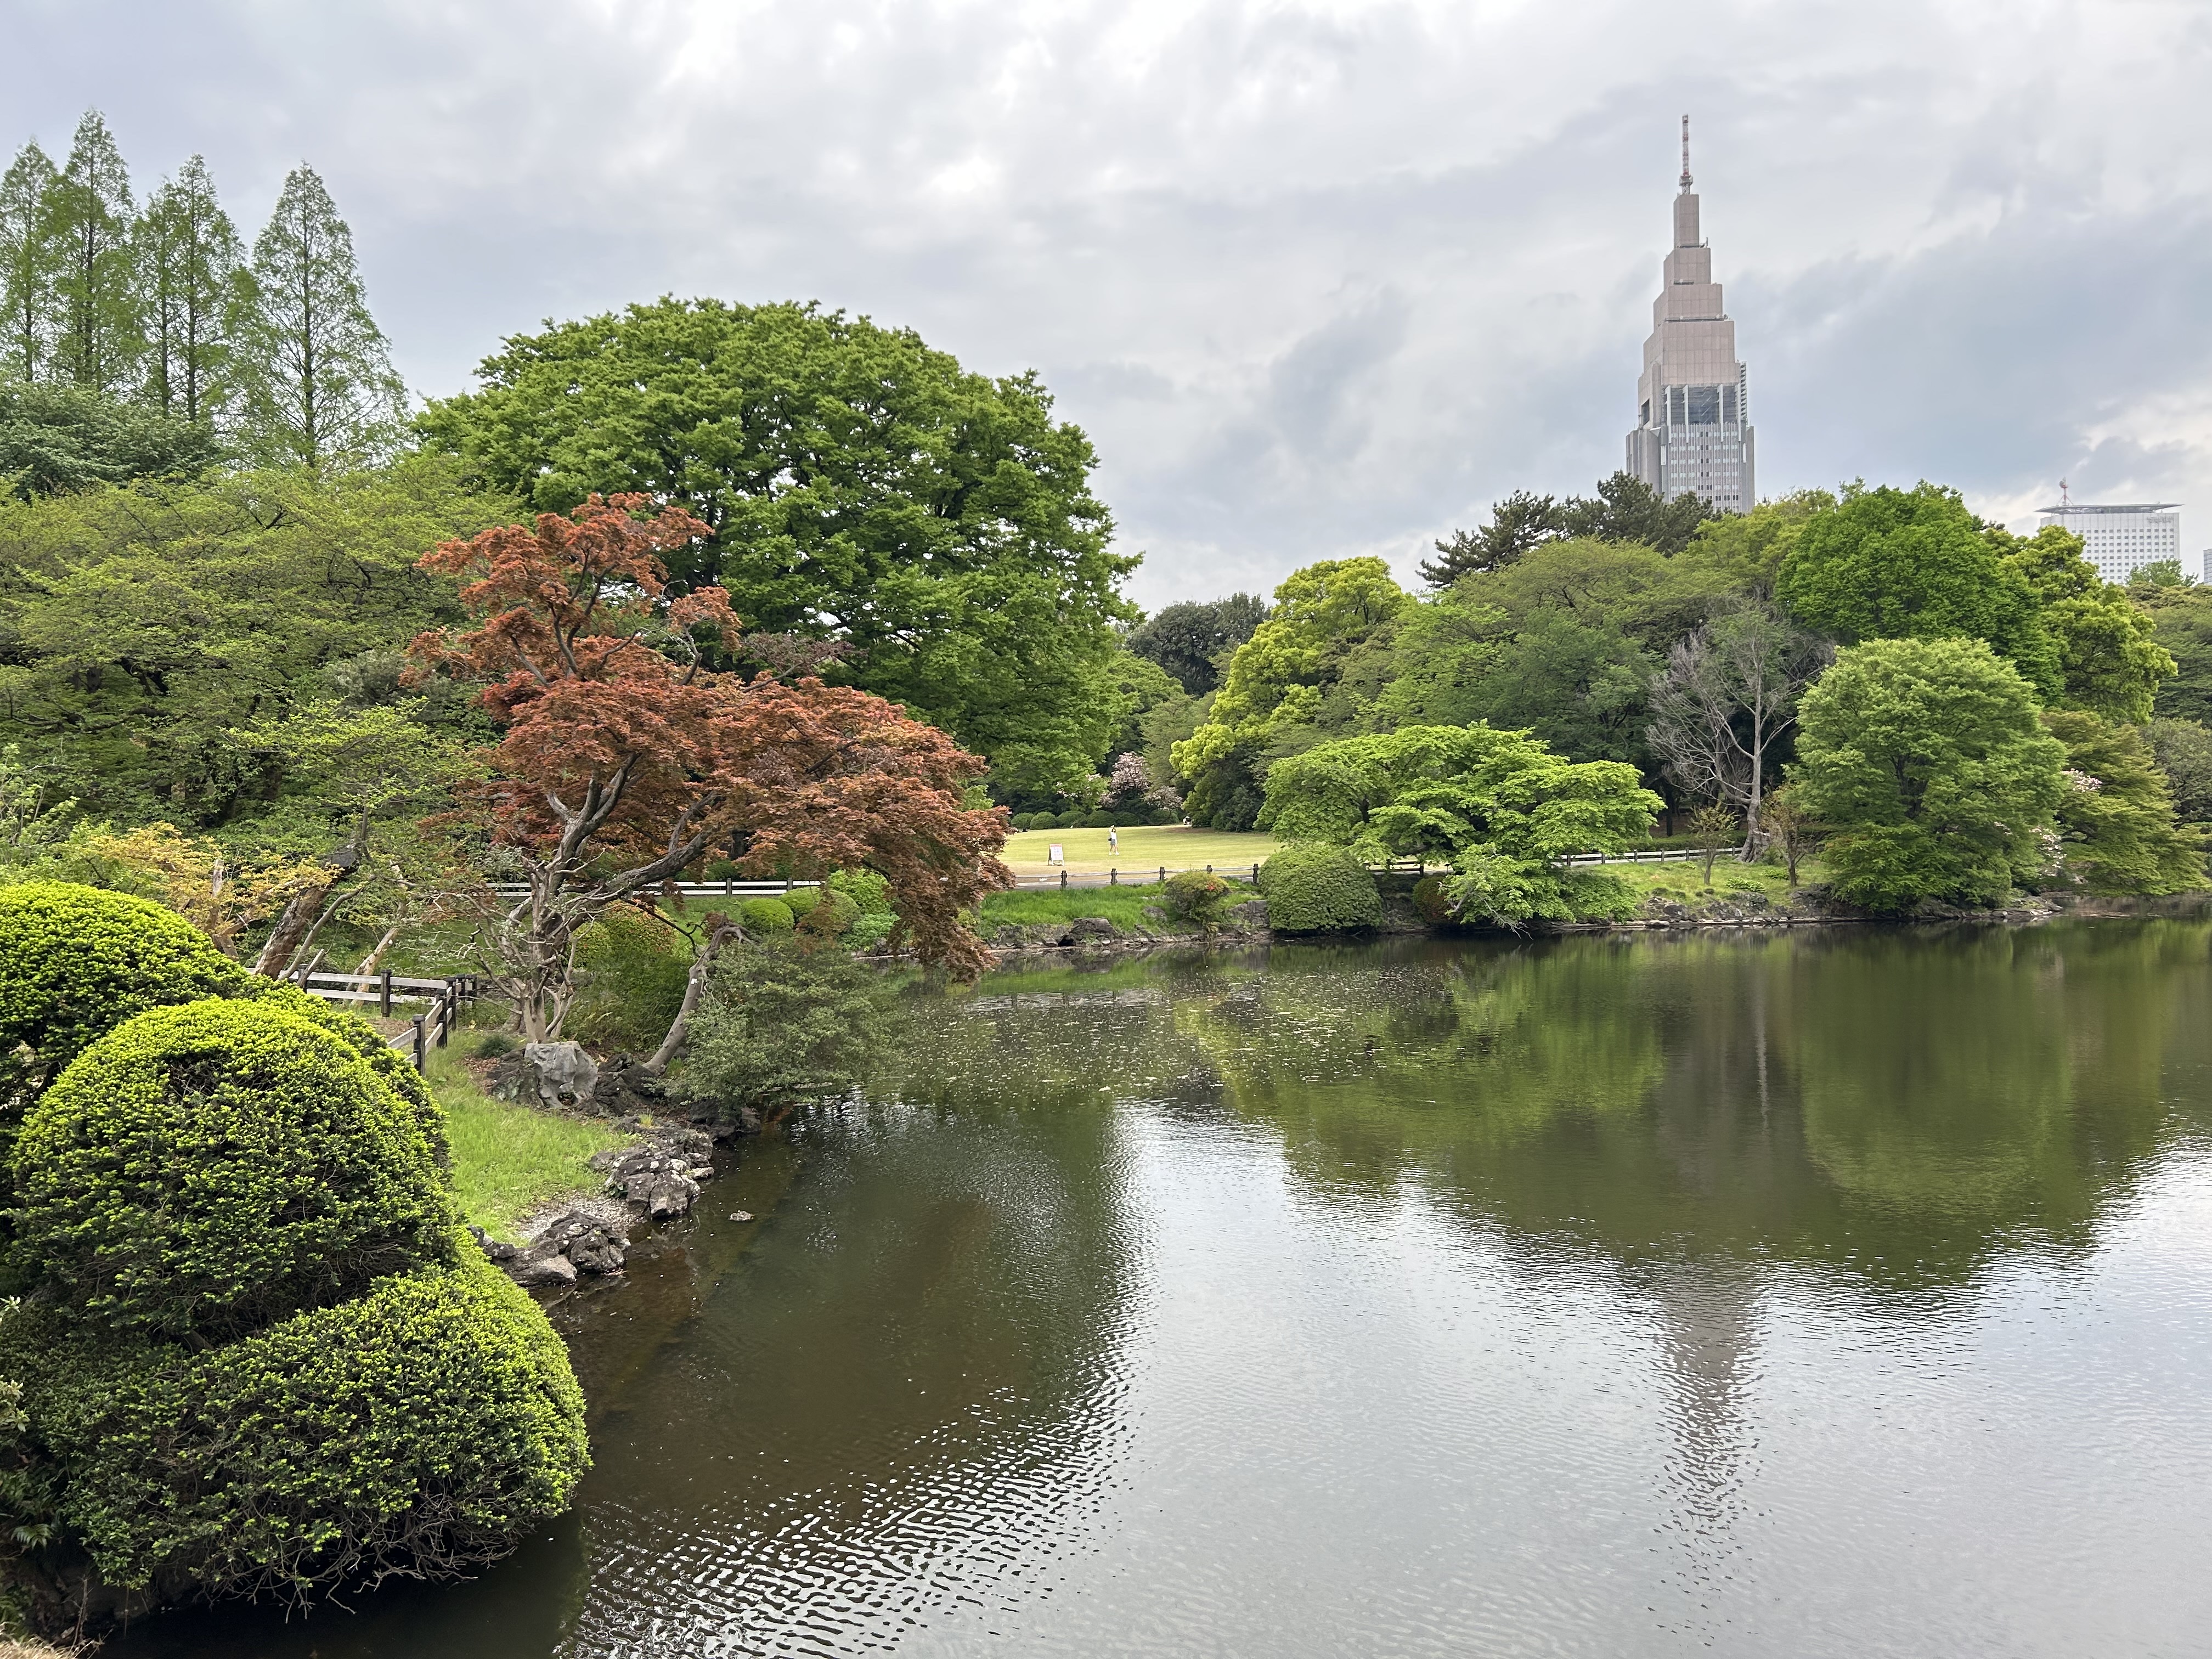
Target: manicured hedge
[202,1171]
[76,962]
[1312,888]
[417,1428]
[765,915]
[255,1351]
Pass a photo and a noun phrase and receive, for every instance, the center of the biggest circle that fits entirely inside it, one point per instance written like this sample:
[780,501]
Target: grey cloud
[1318,278]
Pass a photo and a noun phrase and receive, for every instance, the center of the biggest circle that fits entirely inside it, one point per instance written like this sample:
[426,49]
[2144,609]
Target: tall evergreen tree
[319,379]
[189,260]
[89,217]
[27,263]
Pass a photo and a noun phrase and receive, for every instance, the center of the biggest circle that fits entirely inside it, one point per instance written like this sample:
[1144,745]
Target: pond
[1846,1292]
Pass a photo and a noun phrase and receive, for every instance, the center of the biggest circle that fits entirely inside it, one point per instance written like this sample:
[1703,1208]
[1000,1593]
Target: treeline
[143,337]
[1689,651]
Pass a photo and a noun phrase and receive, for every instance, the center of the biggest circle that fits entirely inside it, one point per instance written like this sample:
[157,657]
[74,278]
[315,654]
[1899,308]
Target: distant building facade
[1693,433]
[2121,540]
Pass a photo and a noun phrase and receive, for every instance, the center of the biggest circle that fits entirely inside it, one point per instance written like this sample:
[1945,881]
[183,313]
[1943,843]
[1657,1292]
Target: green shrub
[1094,821]
[637,966]
[76,962]
[1432,900]
[415,1429]
[766,915]
[872,894]
[782,1021]
[204,1170]
[494,1044]
[1020,821]
[822,912]
[1198,897]
[1313,888]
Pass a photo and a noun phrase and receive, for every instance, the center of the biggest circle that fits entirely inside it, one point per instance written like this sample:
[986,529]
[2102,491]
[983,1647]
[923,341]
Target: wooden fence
[429,1029]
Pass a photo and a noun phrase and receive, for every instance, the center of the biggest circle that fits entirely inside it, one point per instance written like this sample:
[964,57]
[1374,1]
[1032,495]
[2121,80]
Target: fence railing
[515,890]
[1663,855]
[428,1029]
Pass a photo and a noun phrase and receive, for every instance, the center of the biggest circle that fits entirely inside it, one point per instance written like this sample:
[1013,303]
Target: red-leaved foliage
[623,758]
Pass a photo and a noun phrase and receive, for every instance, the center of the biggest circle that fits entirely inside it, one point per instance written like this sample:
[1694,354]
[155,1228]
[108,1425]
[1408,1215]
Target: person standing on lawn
[1113,838]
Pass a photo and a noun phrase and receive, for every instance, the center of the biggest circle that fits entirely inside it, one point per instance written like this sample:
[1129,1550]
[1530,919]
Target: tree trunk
[694,987]
[368,963]
[303,913]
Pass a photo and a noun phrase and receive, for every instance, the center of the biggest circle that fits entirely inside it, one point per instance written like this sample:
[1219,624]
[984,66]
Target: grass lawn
[1123,906]
[1179,847]
[1686,881]
[509,1160]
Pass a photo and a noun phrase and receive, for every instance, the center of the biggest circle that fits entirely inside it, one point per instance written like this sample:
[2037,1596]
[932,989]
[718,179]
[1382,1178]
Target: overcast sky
[1318,279]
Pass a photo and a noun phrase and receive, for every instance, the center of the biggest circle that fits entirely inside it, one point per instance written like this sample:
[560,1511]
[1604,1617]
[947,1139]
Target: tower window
[1704,405]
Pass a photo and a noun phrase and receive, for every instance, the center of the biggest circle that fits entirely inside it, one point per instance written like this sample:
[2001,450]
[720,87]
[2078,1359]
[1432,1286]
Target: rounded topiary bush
[1312,888]
[765,915]
[1432,900]
[415,1429]
[75,962]
[204,1170]
[1198,897]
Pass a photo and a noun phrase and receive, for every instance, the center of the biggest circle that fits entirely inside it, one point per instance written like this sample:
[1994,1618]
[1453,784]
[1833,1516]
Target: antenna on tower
[1686,152]
[2064,500]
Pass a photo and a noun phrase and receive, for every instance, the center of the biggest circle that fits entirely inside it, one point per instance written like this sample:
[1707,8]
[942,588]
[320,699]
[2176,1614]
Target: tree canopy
[1280,679]
[1624,509]
[856,486]
[1927,761]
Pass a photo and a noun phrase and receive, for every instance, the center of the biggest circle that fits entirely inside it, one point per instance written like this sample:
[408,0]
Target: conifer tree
[318,379]
[189,261]
[27,263]
[88,218]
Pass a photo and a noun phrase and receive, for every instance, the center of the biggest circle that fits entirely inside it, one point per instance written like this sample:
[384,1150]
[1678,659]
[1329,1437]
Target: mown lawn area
[509,1160]
[1174,845]
[1122,906]
[1686,881]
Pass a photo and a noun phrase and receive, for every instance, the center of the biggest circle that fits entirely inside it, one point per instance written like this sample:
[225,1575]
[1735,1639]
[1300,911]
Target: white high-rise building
[1692,432]
[2120,540]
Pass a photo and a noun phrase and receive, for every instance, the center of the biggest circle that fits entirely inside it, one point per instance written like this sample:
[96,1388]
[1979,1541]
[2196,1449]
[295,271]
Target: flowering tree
[625,758]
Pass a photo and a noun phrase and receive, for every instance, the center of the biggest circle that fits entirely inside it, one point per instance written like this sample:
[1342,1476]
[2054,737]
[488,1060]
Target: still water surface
[1847,1294]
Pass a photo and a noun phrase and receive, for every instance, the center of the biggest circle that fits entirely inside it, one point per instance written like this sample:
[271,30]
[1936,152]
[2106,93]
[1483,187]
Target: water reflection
[1594,1296]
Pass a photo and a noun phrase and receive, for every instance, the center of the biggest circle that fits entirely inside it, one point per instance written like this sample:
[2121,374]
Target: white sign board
[1058,854]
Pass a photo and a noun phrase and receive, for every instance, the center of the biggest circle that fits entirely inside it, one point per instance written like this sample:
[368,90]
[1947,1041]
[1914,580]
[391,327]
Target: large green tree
[1926,760]
[55,436]
[1192,641]
[89,216]
[1280,682]
[141,627]
[27,263]
[320,387]
[2116,815]
[1888,563]
[189,260]
[2110,662]
[861,487]
[1500,805]
[1624,509]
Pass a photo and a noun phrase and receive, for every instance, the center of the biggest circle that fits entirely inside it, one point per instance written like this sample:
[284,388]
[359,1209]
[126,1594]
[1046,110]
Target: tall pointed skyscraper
[1693,429]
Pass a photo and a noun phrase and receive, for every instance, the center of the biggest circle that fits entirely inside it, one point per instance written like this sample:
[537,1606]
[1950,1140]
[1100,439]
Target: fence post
[1063,879]
[1255,875]
[384,993]
[1163,875]
[447,1005]
[1113,877]
[422,1056]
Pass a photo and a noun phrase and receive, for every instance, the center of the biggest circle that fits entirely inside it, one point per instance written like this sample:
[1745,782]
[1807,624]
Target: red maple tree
[624,758]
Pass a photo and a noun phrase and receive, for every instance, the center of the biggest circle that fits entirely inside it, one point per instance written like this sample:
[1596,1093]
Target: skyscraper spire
[1692,432]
